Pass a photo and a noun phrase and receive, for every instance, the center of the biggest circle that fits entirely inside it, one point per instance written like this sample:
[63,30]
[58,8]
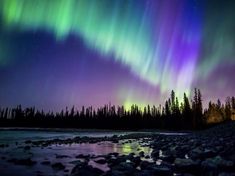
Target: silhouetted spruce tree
[233,102]
[228,112]
[199,109]
[197,120]
[172,102]
[187,112]
[218,105]
[167,109]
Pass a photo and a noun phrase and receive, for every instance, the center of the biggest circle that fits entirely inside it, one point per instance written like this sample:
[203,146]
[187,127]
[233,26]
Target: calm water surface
[51,153]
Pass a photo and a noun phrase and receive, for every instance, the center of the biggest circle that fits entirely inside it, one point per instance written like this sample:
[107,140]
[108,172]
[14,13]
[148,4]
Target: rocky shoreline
[208,152]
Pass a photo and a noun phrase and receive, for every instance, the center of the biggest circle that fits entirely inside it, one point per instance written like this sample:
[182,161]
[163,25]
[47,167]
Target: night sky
[58,53]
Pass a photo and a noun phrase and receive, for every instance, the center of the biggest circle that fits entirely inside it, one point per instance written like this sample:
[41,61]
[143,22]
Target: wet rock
[217,163]
[141,154]
[28,142]
[26,162]
[186,165]
[130,156]
[114,154]
[209,167]
[39,172]
[147,157]
[27,148]
[208,153]
[4,145]
[168,158]
[231,157]
[185,147]
[62,156]
[226,174]
[116,161]
[114,173]
[146,165]
[123,169]
[126,166]
[155,154]
[101,161]
[136,161]
[195,153]
[162,170]
[83,169]
[58,166]
[66,170]
[83,156]
[45,162]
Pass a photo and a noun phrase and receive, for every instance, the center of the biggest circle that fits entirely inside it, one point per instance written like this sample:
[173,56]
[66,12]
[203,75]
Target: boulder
[186,165]
[217,163]
[58,166]
[101,161]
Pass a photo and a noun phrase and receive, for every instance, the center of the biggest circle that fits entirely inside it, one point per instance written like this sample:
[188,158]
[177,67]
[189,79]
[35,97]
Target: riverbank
[207,152]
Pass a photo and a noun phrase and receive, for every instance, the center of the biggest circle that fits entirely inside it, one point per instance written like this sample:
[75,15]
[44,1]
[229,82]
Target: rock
[4,145]
[208,153]
[28,142]
[58,166]
[45,162]
[66,170]
[146,165]
[185,147]
[114,154]
[83,156]
[162,171]
[136,161]
[26,162]
[141,154]
[209,167]
[115,173]
[231,157]
[226,174]
[83,169]
[27,148]
[62,156]
[217,163]
[130,156]
[186,165]
[147,157]
[196,153]
[101,161]
[123,169]
[39,173]
[168,158]
[155,154]
[116,161]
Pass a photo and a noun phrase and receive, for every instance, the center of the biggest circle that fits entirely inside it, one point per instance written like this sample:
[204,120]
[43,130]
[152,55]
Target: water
[11,135]
[65,154]
[16,138]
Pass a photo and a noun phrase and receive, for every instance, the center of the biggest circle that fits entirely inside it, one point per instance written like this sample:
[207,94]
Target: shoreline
[206,152]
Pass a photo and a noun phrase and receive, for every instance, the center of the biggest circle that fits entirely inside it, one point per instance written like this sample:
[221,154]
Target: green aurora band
[166,43]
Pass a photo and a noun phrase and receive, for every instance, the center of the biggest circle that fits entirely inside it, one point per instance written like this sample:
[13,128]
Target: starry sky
[62,53]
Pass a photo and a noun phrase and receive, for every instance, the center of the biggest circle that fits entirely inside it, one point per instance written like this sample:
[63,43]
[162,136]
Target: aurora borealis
[61,53]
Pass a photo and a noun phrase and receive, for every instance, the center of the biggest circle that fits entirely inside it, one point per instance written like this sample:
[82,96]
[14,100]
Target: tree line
[173,115]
